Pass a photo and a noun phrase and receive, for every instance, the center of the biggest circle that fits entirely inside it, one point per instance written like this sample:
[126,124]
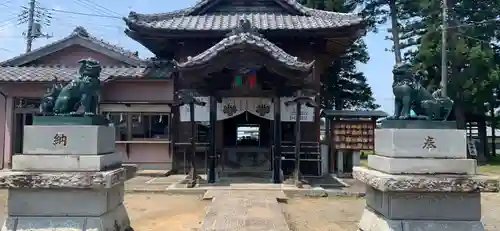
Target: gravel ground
[342,214]
[159,212]
[156,212]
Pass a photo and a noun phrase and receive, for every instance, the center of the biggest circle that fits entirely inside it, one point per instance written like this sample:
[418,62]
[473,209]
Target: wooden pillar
[212,150]
[298,112]
[192,158]
[277,141]
[340,163]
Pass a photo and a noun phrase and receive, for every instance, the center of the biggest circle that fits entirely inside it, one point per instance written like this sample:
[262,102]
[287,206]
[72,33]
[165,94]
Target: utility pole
[444,50]
[36,17]
[31,21]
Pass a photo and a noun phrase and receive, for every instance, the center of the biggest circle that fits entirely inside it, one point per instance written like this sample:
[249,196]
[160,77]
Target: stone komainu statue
[411,95]
[49,99]
[82,91]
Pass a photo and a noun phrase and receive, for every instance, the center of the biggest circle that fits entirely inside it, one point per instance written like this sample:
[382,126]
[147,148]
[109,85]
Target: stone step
[244,210]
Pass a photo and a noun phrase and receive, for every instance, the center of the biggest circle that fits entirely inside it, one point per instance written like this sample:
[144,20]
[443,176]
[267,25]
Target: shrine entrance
[247,146]
[246,74]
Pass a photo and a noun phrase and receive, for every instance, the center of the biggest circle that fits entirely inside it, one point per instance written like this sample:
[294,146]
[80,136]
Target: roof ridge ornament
[80,30]
[244,26]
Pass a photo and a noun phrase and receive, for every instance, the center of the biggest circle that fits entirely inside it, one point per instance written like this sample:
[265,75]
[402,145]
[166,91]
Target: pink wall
[157,90]
[136,90]
[2,126]
[71,55]
[146,153]
[7,131]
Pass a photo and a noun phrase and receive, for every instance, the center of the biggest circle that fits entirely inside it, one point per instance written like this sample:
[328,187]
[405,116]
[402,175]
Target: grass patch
[492,167]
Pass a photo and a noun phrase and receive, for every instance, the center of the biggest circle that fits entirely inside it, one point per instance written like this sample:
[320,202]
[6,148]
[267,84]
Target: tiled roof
[245,36]
[186,19]
[48,73]
[114,51]
[262,21]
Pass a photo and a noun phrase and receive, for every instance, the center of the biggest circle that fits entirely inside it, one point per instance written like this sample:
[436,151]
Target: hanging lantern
[238,81]
[251,80]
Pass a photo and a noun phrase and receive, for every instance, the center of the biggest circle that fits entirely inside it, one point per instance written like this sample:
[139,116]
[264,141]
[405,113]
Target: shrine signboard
[352,130]
[354,135]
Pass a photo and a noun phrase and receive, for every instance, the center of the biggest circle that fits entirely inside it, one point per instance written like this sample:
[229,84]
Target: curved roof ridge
[134,16]
[246,34]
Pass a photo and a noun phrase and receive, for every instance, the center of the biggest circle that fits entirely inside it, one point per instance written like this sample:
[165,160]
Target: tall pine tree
[343,86]
[473,52]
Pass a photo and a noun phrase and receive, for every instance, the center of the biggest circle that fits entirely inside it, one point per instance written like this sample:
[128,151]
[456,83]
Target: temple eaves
[295,17]
[246,36]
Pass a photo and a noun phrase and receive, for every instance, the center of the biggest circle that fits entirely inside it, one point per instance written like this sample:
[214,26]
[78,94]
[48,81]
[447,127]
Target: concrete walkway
[170,185]
[244,211]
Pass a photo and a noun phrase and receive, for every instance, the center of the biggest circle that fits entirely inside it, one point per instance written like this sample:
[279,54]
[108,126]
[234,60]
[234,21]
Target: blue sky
[111,27]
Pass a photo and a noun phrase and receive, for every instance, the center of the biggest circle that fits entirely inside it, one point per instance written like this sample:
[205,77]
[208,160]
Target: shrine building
[245,60]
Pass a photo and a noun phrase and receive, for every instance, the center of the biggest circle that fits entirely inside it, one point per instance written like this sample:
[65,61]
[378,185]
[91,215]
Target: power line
[5,4]
[90,7]
[475,10]
[65,20]
[472,23]
[84,14]
[476,39]
[96,7]
[5,49]
[7,21]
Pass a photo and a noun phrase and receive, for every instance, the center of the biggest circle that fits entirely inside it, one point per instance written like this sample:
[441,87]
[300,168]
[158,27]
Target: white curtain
[230,107]
[261,107]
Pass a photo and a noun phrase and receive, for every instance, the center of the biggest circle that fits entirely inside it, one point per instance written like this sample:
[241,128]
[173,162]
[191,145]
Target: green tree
[404,28]
[343,86]
[472,70]
[473,57]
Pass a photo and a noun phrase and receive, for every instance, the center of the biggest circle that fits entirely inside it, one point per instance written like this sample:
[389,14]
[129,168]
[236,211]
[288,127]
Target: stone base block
[70,120]
[425,206]
[425,183]
[423,143]
[66,162]
[68,140]
[371,221]
[422,166]
[66,180]
[418,124]
[64,202]
[116,220]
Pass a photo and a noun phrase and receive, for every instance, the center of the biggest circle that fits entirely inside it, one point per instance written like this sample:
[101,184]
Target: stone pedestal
[420,180]
[70,178]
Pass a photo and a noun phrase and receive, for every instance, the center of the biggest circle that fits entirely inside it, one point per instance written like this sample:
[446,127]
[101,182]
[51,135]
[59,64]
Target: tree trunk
[395,31]
[482,155]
